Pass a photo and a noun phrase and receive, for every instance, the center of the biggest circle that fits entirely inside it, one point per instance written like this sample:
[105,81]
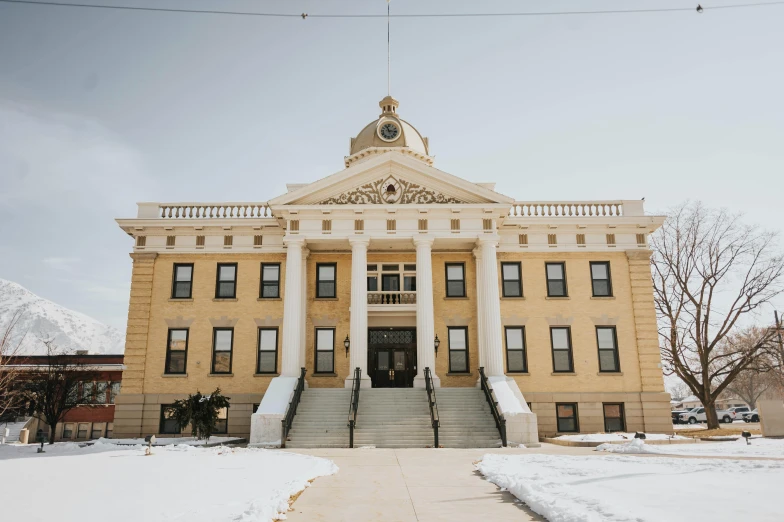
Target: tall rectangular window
[168,424]
[325,350]
[268,351]
[455,280]
[226,284]
[511,275]
[222,423]
[182,283]
[600,279]
[614,418]
[176,351]
[270,280]
[326,277]
[561,340]
[222,344]
[458,349]
[556,279]
[567,417]
[516,360]
[607,339]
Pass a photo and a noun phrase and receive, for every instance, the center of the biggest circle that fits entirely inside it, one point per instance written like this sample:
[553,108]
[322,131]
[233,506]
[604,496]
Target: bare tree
[678,390]
[59,385]
[711,271]
[9,396]
[752,382]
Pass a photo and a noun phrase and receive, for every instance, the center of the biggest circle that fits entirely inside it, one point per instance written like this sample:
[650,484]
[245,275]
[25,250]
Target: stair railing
[288,418]
[433,403]
[500,421]
[353,406]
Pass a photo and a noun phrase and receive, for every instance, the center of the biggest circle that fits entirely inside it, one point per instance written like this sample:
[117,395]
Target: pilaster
[138,322]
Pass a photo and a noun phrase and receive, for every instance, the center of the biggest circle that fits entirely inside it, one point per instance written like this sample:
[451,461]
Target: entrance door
[392,357]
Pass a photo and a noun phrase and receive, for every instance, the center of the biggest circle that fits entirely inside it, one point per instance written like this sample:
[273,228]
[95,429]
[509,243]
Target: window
[176,351]
[168,424]
[114,391]
[325,280]
[372,283]
[458,349]
[87,391]
[556,279]
[268,351]
[270,280]
[390,282]
[84,428]
[614,418]
[409,283]
[222,342]
[511,275]
[515,349]
[222,424]
[109,430]
[561,339]
[325,350]
[567,417]
[607,340]
[455,280]
[97,431]
[600,279]
[226,285]
[68,430]
[182,284]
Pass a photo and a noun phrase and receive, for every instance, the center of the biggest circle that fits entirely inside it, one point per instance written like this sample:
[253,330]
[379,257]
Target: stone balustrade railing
[227,210]
[576,208]
[390,297]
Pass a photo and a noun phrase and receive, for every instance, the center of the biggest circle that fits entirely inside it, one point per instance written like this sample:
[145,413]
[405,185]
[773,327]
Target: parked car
[676,415]
[698,415]
[738,411]
[752,416]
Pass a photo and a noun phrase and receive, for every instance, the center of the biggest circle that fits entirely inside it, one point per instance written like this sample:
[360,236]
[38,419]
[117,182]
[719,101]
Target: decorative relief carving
[389,190]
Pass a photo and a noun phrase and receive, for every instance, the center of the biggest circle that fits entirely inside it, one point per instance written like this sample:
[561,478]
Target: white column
[490,311]
[358,330]
[480,319]
[424,312]
[304,308]
[292,309]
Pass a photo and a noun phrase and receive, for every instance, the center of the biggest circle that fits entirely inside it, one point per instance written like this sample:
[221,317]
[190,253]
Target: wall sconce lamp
[436,343]
[347,344]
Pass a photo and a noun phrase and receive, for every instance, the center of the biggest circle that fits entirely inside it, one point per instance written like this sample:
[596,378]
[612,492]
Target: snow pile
[43,319]
[595,489]
[175,483]
[617,436]
[507,402]
[759,447]
[168,441]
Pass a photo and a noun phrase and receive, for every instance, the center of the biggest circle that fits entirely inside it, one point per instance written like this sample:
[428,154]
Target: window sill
[603,297]
[459,374]
[518,373]
[464,297]
[269,299]
[266,375]
[180,299]
[563,373]
[174,375]
[610,374]
[513,298]
[557,297]
[323,374]
[221,375]
[230,299]
[327,299]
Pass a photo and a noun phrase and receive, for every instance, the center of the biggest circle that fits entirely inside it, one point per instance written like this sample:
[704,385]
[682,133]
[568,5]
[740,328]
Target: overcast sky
[100,109]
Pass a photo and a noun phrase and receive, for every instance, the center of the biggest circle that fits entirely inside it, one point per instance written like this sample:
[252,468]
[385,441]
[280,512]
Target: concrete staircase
[393,418]
[466,420]
[14,428]
[321,420]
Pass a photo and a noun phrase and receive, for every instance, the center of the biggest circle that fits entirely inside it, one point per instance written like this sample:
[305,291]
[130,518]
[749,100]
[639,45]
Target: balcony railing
[226,210]
[567,209]
[391,298]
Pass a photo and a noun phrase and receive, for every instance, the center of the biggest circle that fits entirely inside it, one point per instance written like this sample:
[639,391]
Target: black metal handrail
[500,421]
[433,403]
[353,406]
[288,418]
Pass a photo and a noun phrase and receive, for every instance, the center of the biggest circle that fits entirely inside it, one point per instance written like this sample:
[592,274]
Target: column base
[419,382]
[364,382]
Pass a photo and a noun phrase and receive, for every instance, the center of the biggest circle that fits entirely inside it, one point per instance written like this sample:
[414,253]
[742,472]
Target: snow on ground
[689,427]
[617,436]
[566,488]
[170,441]
[175,483]
[759,447]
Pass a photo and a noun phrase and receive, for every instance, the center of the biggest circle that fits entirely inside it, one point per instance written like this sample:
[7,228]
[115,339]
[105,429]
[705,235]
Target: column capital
[487,241]
[423,240]
[359,242]
[295,241]
[477,253]
[305,252]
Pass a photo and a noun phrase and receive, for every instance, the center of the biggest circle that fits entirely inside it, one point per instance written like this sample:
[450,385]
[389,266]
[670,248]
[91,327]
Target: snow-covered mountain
[43,319]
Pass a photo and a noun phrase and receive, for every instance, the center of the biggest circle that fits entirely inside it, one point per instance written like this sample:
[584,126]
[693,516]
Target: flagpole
[389,90]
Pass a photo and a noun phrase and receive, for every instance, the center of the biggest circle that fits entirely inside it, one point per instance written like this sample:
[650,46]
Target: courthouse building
[393,266]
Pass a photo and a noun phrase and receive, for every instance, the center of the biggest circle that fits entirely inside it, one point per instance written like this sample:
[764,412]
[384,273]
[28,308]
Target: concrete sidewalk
[403,485]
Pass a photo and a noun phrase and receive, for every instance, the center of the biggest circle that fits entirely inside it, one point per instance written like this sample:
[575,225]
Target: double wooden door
[392,356]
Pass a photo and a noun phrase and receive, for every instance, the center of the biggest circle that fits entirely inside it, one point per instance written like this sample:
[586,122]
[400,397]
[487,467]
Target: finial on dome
[388,105]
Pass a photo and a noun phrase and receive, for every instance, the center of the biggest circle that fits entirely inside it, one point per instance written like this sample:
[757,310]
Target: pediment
[391,179]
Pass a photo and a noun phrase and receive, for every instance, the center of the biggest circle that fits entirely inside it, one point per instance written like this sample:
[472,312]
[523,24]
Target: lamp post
[436,343]
[347,344]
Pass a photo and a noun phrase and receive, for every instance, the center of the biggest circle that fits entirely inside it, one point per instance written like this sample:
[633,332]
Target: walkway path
[403,485]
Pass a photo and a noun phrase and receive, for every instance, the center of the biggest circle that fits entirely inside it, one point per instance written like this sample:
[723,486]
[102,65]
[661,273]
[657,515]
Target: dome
[378,136]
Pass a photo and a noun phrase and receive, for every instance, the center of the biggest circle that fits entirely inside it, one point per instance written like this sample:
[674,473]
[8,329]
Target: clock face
[388,131]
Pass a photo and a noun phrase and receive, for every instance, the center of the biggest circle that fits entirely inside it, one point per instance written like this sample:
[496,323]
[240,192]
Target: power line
[304,16]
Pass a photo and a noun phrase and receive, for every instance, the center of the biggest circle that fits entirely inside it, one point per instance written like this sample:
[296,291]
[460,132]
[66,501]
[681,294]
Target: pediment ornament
[389,191]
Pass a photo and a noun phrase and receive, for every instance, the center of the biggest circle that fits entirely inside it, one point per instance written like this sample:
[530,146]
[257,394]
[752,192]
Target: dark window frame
[622,417]
[316,349]
[259,350]
[166,369]
[334,281]
[263,283]
[214,352]
[218,281]
[450,350]
[609,279]
[599,349]
[570,350]
[446,279]
[519,279]
[524,349]
[547,278]
[174,281]
[576,417]
[162,418]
